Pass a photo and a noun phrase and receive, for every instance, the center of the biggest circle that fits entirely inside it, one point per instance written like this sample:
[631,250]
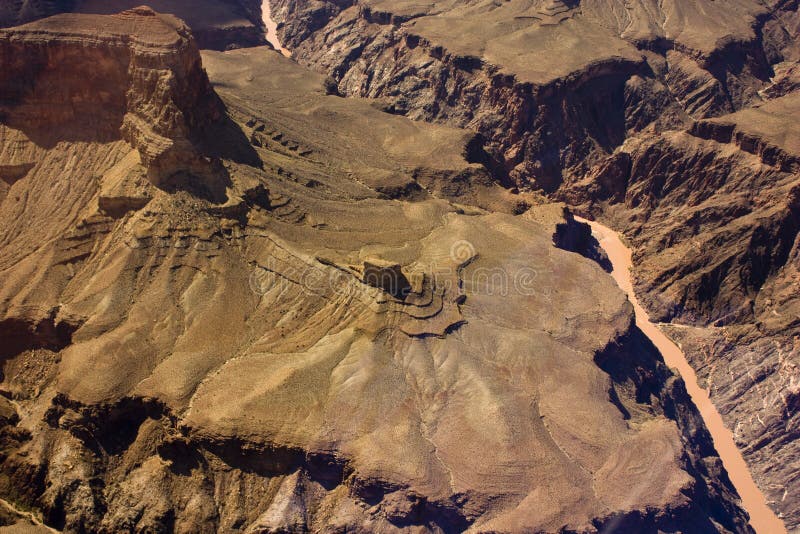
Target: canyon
[239,295]
[272,29]
[675,124]
[762,518]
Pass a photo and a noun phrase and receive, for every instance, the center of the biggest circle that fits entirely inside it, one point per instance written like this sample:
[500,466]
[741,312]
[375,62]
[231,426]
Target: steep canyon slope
[236,302]
[216,24]
[674,122]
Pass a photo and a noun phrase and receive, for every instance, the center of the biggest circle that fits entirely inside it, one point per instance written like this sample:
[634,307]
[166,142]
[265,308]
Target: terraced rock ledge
[210,351]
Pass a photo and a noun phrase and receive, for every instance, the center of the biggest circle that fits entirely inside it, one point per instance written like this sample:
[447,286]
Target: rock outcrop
[216,24]
[147,86]
[676,123]
[216,364]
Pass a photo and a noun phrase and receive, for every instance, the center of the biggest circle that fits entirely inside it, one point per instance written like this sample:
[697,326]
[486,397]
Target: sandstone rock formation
[147,84]
[675,122]
[216,24]
[187,361]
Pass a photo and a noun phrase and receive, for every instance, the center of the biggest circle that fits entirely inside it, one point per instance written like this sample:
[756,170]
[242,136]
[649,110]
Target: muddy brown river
[272,29]
[762,518]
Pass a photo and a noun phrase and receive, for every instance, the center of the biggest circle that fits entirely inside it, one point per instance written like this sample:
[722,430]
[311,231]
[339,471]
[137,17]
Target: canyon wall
[673,123]
[148,87]
[191,355]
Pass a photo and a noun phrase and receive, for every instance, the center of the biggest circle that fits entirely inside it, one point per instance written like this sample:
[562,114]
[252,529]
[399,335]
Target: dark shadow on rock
[105,429]
[224,139]
[270,461]
[19,335]
[633,362]
[574,236]
[182,455]
[211,185]
[476,152]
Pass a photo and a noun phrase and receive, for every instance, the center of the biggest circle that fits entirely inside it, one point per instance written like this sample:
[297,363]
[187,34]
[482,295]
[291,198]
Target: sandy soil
[272,29]
[762,518]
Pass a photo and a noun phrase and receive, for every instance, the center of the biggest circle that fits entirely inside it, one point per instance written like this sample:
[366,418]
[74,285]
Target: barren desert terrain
[370,266]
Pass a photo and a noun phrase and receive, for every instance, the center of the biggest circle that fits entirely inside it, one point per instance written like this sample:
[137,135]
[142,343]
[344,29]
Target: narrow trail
[272,29]
[27,515]
[762,518]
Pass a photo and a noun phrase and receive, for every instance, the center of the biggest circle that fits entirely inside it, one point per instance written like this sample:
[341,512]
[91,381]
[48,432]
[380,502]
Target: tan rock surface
[689,149]
[215,362]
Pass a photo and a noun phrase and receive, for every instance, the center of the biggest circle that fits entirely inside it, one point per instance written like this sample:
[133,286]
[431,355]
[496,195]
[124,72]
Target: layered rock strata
[202,363]
[147,85]
[675,123]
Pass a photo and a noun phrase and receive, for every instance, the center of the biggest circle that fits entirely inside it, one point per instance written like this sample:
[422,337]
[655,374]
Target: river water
[762,518]
[272,29]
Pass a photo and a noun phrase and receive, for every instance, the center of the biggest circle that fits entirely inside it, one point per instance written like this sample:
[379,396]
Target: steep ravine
[640,139]
[272,29]
[762,518]
[278,388]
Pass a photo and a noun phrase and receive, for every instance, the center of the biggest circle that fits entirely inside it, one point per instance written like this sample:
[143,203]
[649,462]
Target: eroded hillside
[674,122]
[236,301]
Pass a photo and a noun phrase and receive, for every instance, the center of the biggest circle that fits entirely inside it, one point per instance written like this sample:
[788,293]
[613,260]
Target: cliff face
[148,87]
[675,122]
[552,86]
[181,361]
[714,216]
[216,24]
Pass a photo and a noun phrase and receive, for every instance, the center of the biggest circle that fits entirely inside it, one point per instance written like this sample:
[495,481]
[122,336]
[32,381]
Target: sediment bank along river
[762,518]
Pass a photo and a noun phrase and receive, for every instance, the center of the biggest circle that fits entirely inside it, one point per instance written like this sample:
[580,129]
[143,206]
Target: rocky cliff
[554,86]
[147,86]
[216,24]
[675,122]
[185,361]
[713,213]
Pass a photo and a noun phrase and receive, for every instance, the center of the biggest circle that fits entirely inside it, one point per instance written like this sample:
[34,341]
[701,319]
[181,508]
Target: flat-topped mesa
[136,75]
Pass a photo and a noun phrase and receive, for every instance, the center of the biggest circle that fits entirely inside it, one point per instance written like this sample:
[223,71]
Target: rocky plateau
[675,123]
[345,292]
